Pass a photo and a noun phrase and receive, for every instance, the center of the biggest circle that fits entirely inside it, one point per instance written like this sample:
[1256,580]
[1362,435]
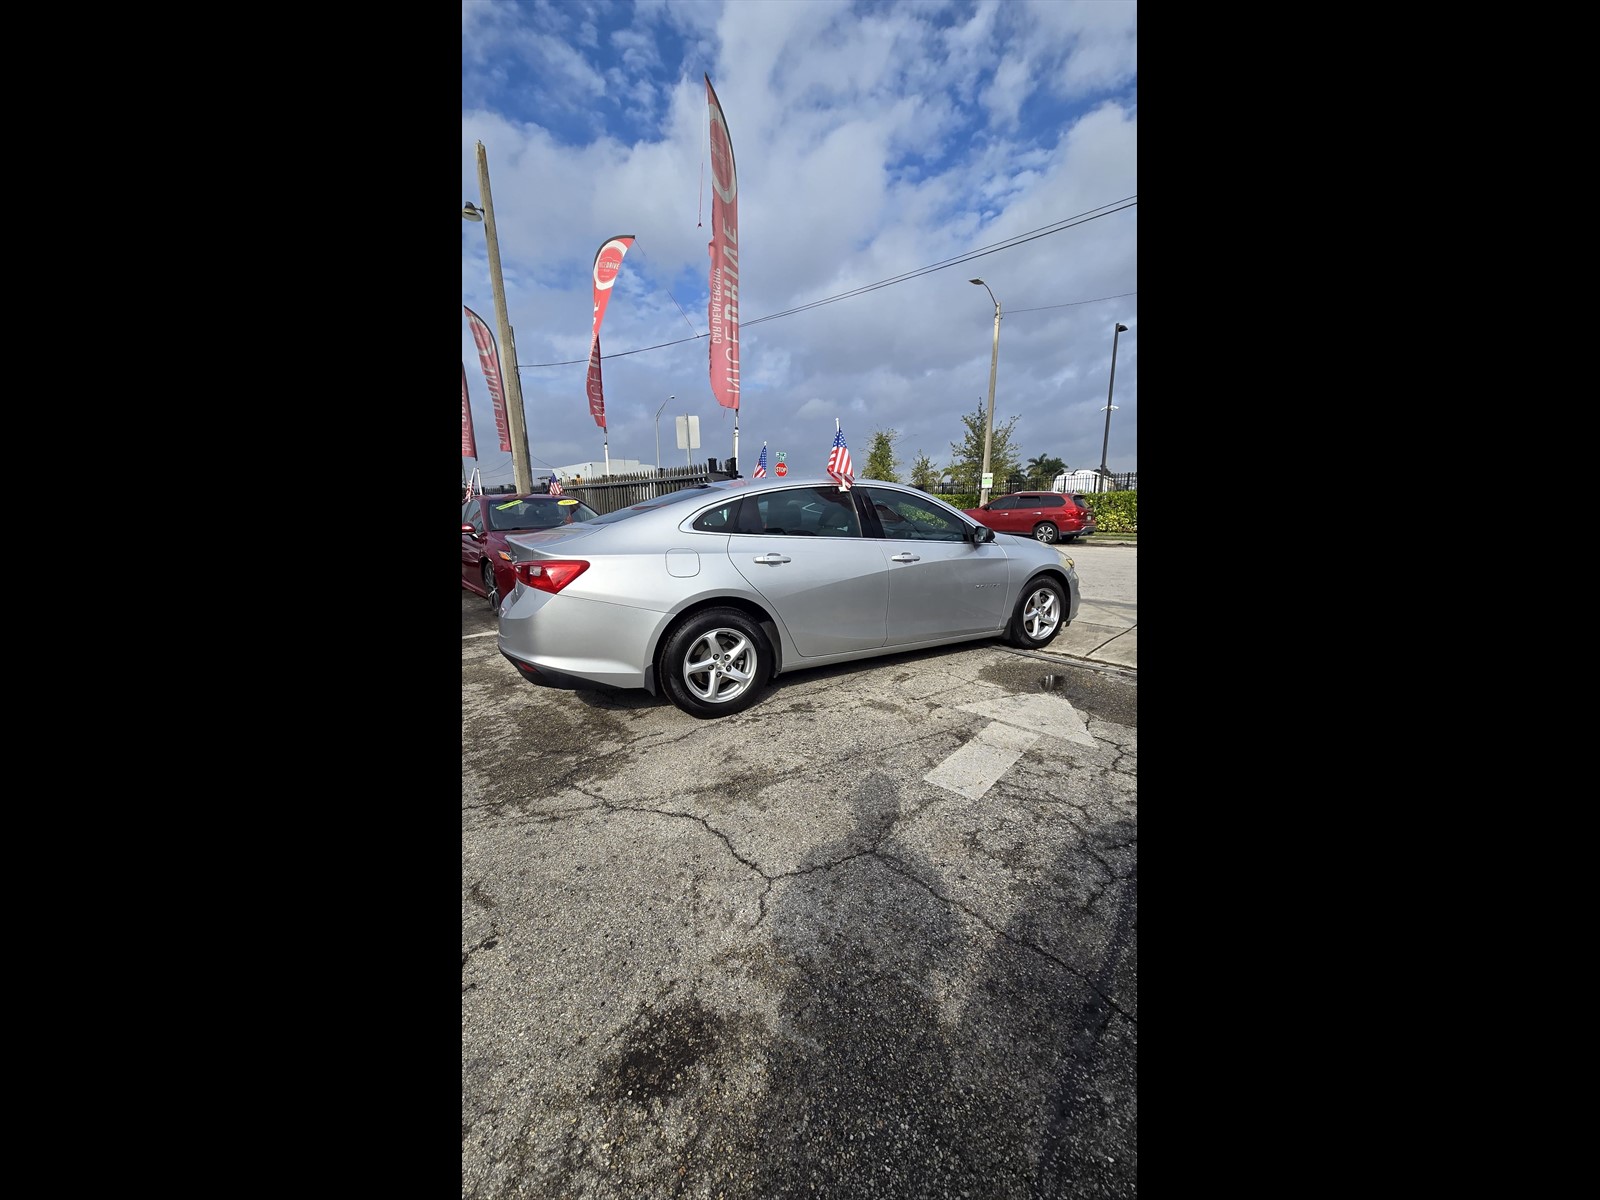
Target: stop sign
[783,469]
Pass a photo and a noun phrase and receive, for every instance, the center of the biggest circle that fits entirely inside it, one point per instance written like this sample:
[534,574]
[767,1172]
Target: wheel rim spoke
[720,665]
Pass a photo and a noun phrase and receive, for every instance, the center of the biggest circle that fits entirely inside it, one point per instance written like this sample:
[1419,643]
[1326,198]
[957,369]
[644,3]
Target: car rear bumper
[569,642]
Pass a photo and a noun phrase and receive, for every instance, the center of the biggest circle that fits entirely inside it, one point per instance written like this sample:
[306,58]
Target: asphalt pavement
[874,938]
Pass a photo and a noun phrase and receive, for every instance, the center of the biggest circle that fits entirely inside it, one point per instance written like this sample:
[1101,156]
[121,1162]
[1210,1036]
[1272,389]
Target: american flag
[555,486]
[839,461]
[761,463]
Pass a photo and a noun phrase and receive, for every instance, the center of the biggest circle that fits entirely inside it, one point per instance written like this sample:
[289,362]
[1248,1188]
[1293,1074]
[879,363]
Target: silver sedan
[707,593]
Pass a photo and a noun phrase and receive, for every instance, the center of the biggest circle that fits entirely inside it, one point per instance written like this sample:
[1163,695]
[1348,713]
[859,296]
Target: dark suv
[1048,516]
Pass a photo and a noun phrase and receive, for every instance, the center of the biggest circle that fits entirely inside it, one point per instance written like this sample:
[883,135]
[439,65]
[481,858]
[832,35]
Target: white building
[597,470]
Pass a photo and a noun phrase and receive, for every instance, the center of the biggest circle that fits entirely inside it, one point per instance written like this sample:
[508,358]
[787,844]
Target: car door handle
[906,558]
[771,559]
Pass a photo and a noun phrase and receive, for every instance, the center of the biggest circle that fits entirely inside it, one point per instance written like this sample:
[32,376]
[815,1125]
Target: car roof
[803,481]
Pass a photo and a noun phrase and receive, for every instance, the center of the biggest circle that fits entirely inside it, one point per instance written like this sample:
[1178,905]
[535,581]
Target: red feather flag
[722,313]
[607,262]
[489,360]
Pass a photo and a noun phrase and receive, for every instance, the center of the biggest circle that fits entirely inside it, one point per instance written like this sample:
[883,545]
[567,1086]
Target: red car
[485,521]
[1048,516]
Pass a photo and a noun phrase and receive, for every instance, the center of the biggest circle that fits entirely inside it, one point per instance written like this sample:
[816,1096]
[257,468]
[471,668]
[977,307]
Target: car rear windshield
[538,512]
[681,496]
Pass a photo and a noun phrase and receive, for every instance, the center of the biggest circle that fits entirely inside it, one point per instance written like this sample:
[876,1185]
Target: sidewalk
[1105,631]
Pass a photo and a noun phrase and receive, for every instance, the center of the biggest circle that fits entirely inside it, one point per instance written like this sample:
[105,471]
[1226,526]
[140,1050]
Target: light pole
[988,424]
[515,424]
[1104,472]
[664,403]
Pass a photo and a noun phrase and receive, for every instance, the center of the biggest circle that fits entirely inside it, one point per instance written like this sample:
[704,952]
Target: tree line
[966,461]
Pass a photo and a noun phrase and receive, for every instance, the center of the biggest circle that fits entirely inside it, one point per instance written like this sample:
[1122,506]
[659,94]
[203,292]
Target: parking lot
[875,936]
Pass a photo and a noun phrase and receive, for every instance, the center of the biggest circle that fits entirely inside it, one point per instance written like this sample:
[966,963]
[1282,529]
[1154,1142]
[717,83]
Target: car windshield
[538,512]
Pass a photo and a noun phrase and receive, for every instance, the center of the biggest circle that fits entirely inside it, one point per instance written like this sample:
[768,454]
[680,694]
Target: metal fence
[619,491]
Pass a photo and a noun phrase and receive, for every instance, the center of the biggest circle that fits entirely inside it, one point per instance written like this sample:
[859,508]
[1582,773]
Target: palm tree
[1042,471]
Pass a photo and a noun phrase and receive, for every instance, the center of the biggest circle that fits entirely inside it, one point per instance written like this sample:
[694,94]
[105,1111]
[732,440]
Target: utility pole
[1105,472]
[988,424]
[516,424]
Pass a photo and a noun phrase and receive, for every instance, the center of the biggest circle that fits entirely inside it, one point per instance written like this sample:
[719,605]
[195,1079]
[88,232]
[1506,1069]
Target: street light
[1105,473]
[516,425]
[664,403]
[988,424]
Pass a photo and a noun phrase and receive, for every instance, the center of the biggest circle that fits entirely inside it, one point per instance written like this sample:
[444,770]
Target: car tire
[491,590]
[1039,614]
[1045,532]
[715,663]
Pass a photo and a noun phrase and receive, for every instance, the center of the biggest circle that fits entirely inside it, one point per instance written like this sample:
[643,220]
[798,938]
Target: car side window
[717,520]
[1052,502]
[1003,503]
[903,517]
[474,517]
[803,512]
[812,512]
[835,514]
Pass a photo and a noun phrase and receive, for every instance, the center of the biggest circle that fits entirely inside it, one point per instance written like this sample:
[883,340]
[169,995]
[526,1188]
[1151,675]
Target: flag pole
[607,442]
[736,437]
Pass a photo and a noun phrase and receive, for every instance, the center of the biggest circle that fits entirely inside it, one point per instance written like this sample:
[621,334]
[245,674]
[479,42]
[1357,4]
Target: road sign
[782,469]
[688,433]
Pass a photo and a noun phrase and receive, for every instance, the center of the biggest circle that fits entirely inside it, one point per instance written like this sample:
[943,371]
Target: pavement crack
[1093,983]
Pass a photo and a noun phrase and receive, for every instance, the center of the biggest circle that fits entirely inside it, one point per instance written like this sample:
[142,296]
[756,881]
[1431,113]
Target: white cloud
[868,146]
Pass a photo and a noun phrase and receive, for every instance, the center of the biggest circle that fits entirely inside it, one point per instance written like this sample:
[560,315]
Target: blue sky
[872,141]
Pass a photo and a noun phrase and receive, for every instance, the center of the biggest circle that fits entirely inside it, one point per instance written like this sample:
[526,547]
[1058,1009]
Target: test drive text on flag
[839,461]
[607,262]
[597,399]
[761,463]
[469,444]
[489,359]
[723,310]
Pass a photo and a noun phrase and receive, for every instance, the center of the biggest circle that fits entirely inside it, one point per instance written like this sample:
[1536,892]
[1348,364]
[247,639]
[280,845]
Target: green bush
[1114,512]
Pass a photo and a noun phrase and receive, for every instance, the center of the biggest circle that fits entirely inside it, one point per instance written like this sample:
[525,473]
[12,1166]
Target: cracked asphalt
[874,937]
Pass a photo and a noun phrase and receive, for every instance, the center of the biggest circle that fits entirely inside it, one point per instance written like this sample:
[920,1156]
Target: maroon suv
[1048,516]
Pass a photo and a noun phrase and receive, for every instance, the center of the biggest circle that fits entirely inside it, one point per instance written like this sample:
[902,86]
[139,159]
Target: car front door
[472,543]
[1003,514]
[825,582]
[940,584]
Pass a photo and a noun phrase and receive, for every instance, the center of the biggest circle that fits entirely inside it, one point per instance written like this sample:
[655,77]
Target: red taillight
[549,574]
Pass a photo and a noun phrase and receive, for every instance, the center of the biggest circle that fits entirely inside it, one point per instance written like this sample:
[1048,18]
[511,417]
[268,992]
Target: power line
[1093,214]
[1070,303]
